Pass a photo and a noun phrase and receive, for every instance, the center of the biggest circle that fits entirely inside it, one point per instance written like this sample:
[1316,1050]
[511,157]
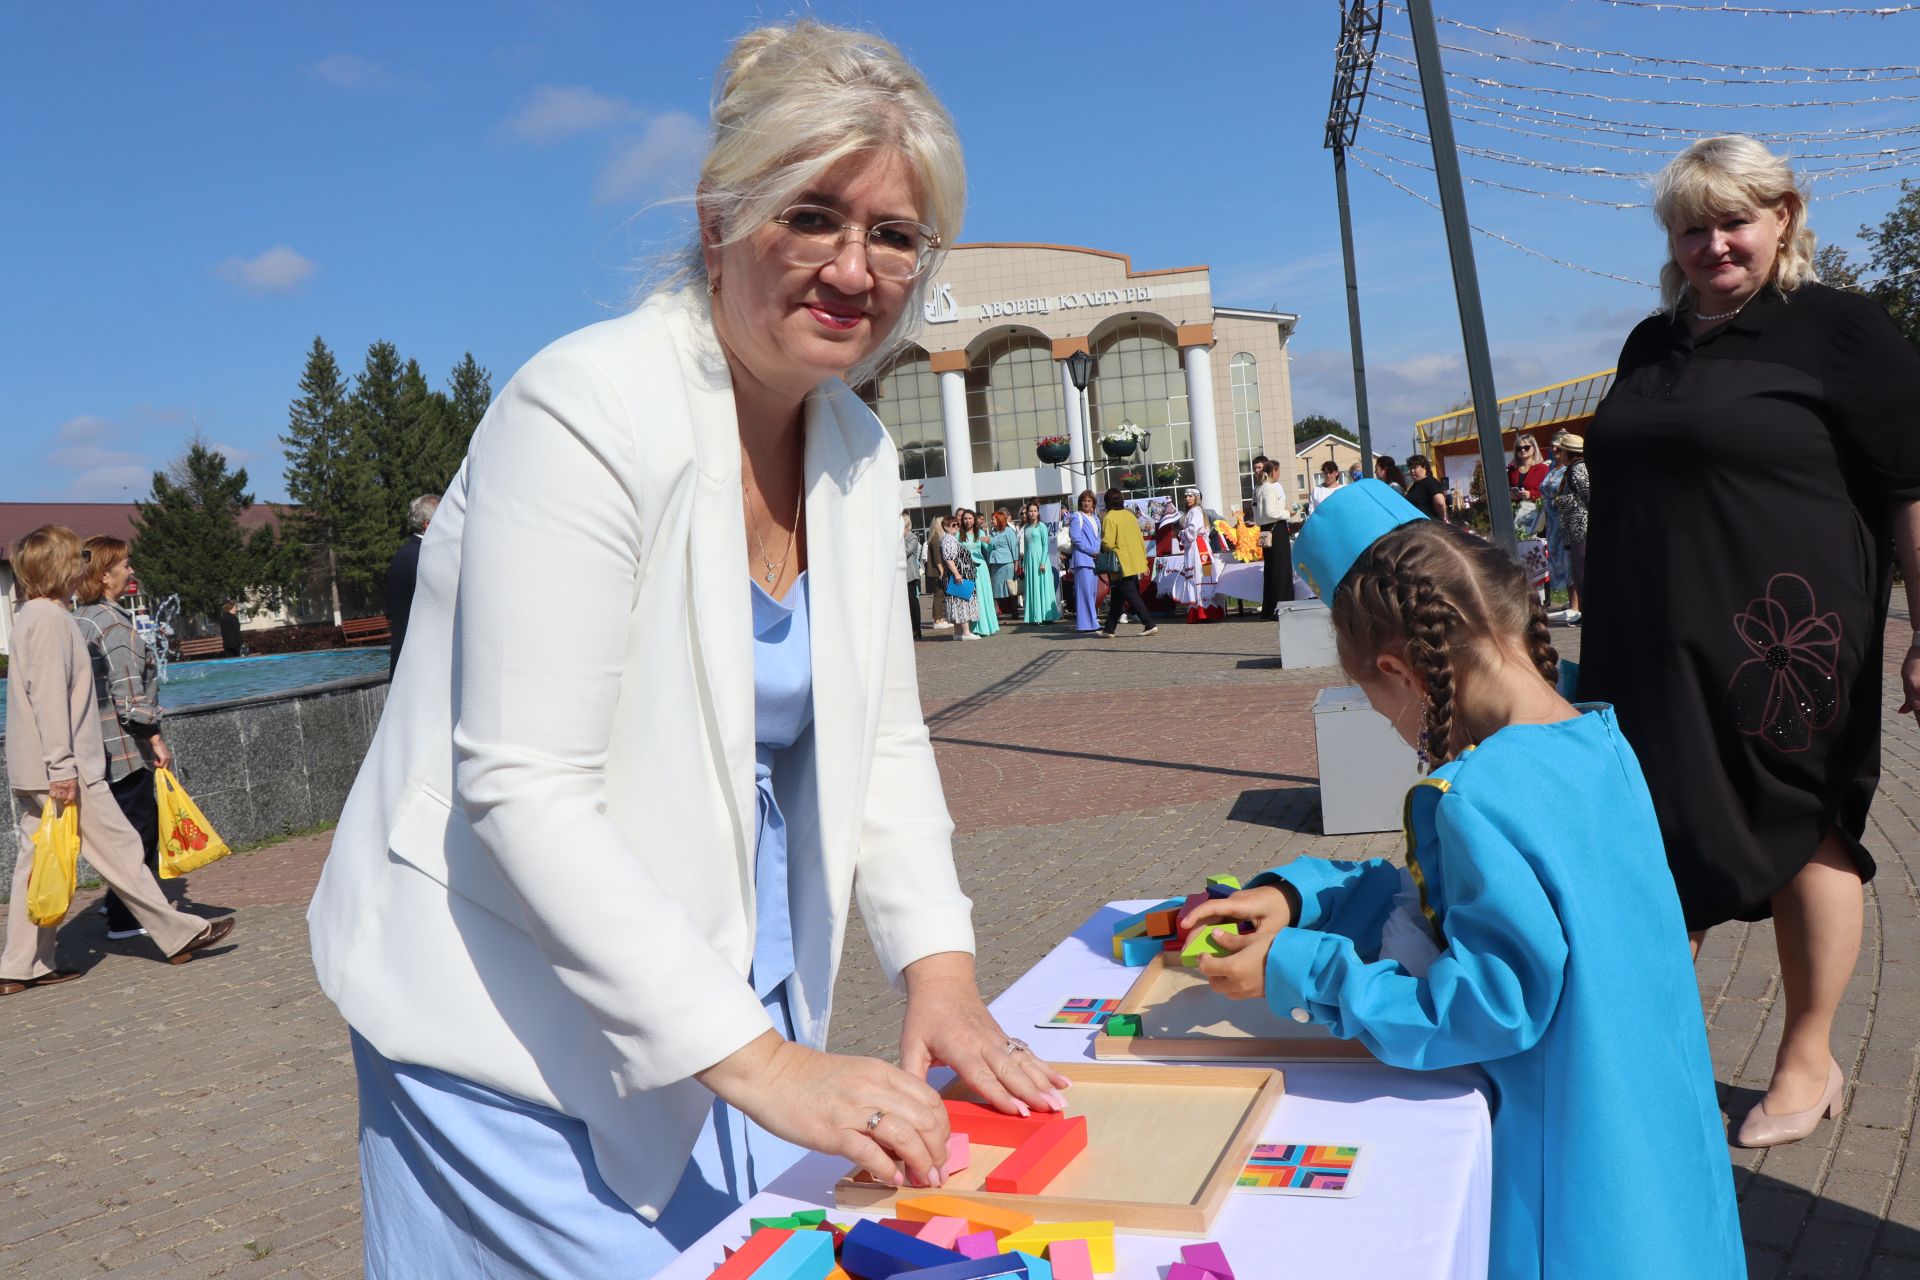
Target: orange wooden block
[990,1128]
[1161,924]
[747,1258]
[1039,1160]
[980,1217]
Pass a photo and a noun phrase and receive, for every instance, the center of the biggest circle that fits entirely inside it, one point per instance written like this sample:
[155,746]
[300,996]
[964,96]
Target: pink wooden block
[1071,1259]
[1186,1271]
[1209,1257]
[981,1244]
[959,1151]
[943,1231]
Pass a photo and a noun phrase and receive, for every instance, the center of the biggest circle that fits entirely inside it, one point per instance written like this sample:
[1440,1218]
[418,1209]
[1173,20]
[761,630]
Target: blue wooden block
[1221,891]
[1001,1266]
[1135,952]
[1140,917]
[1037,1268]
[805,1255]
[874,1252]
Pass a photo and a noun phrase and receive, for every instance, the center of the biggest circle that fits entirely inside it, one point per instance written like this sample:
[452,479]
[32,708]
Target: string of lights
[1655,59]
[1693,103]
[1749,10]
[1392,181]
[1865,75]
[1503,186]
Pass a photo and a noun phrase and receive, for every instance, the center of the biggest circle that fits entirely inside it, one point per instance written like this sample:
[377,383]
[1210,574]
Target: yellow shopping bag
[187,840]
[56,865]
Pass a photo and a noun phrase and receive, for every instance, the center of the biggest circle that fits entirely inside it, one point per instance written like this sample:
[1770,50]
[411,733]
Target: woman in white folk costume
[1198,566]
[585,905]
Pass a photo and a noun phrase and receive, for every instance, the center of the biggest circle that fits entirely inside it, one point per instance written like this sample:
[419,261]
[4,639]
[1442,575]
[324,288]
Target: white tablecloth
[1245,582]
[1421,1210]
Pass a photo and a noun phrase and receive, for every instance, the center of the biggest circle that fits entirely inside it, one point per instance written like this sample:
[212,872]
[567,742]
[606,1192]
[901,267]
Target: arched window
[1013,398]
[906,396]
[1138,379]
[1245,377]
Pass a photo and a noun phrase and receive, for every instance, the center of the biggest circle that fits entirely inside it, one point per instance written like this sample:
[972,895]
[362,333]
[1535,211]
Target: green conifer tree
[188,539]
[337,518]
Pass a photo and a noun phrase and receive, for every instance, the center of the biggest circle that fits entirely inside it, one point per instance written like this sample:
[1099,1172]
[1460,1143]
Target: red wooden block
[990,1128]
[1039,1160]
[903,1225]
[747,1258]
[1193,900]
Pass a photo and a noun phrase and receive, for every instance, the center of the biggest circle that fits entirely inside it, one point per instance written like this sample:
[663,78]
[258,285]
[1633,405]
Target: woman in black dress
[1735,610]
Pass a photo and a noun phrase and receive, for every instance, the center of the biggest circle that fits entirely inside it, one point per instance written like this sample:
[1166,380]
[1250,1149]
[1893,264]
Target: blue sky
[196,191]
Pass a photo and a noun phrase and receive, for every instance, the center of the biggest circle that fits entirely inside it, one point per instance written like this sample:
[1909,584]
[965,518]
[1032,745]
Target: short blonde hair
[107,553]
[792,101]
[47,563]
[1718,176]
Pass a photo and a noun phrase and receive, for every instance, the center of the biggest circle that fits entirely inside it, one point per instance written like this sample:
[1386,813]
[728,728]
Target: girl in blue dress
[1040,601]
[1542,942]
[974,539]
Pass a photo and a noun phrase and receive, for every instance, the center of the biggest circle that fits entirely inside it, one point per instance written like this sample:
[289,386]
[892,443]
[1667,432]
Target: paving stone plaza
[199,1121]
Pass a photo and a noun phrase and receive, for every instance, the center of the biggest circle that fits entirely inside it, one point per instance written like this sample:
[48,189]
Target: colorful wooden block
[1162,921]
[1136,952]
[1122,935]
[745,1260]
[1038,1161]
[1209,1257]
[1232,882]
[875,1253]
[1070,1260]
[981,1217]
[1215,891]
[1193,900]
[1183,1271]
[990,1128]
[959,1152]
[1038,1268]
[979,1244]
[906,1226]
[1201,943]
[1098,1235]
[1140,917]
[804,1255]
[942,1231]
[1000,1266]
[1123,1024]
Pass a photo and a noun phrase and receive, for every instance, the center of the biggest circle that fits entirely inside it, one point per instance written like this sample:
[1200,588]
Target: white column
[1079,439]
[1198,363]
[953,420]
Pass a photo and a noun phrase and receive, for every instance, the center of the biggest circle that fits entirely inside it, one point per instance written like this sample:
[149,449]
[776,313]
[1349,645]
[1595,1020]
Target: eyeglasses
[86,554]
[896,250]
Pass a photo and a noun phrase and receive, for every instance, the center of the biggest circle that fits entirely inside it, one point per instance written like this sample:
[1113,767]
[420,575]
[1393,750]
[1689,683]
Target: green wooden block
[1123,1024]
[1232,882]
[1200,943]
[811,1217]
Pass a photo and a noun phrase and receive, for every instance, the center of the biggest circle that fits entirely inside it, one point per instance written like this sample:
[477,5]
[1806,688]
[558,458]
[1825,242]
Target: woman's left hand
[948,1025]
[162,753]
[1910,680]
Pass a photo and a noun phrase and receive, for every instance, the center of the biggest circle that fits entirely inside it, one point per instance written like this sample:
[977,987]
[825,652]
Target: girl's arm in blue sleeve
[1490,994]
[1352,899]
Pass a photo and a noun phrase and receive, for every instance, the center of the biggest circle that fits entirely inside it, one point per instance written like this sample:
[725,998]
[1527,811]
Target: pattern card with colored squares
[1303,1169]
[1090,1012]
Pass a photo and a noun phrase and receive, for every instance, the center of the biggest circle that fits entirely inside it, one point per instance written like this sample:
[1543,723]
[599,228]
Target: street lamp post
[1080,370]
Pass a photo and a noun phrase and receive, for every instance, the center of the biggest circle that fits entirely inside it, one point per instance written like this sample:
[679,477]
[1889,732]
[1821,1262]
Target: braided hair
[1444,600]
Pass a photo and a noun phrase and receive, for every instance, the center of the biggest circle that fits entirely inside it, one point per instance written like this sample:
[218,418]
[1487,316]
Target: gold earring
[713,285]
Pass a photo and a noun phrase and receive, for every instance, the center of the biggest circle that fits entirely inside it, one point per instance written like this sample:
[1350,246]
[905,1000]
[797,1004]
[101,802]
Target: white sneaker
[121,934]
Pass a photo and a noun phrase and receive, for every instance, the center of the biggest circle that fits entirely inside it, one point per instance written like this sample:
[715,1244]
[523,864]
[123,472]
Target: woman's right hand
[822,1101]
[64,792]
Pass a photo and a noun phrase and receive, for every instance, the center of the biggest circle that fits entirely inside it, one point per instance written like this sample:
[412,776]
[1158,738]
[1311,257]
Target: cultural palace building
[989,377]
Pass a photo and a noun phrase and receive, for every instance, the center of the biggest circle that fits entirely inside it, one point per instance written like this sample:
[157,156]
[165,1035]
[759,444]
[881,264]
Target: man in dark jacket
[400,574]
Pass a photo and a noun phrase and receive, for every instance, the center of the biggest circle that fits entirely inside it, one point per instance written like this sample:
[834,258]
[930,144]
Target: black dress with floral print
[1738,571]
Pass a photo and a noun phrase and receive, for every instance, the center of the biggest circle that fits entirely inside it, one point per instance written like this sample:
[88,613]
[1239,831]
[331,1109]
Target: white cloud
[278,270]
[355,74]
[558,112]
[98,469]
[664,157]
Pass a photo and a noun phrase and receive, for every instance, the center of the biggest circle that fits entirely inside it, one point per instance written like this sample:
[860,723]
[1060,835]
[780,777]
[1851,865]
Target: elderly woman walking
[1735,610]
[56,758]
[589,965]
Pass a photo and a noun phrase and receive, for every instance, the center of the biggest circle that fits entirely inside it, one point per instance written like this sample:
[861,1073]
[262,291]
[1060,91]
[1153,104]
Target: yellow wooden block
[1035,1239]
[980,1217]
[1131,931]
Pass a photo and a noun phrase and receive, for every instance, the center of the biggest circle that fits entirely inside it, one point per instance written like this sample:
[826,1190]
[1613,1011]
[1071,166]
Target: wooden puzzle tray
[1164,1147]
[1184,1019]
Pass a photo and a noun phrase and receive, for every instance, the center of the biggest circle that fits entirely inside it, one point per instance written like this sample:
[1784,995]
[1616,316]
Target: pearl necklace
[1724,315]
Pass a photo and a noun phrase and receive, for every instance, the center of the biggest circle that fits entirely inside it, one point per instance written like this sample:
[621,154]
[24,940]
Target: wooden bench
[204,647]
[366,630]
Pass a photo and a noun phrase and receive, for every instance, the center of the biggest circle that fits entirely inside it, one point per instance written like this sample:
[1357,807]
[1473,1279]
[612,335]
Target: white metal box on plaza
[988,377]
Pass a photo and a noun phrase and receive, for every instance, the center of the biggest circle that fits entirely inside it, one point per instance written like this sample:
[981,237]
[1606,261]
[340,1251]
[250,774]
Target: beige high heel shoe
[1762,1130]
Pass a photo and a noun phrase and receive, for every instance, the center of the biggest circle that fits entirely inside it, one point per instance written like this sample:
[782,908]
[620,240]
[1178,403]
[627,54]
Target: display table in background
[1421,1210]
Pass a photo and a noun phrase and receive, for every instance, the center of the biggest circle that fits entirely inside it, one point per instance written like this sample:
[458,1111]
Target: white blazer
[543,878]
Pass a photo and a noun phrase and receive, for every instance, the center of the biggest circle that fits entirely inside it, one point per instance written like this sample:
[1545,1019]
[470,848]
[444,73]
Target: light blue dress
[1564,973]
[1039,602]
[988,621]
[461,1180]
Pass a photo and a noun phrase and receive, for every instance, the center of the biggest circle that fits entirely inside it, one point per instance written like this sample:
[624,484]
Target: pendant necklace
[775,567]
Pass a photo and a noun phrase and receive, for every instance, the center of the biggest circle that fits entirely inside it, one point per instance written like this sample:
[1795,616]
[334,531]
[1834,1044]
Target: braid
[1431,622]
[1540,642]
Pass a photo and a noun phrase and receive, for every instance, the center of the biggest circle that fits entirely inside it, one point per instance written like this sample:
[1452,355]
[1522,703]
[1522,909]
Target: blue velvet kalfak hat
[1347,522]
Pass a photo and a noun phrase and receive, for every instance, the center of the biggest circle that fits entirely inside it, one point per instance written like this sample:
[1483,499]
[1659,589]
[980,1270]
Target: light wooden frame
[1165,1146]
[1207,1027]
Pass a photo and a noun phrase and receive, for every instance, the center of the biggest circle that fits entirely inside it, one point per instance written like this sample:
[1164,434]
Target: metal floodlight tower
[1352,74]
[1466,280]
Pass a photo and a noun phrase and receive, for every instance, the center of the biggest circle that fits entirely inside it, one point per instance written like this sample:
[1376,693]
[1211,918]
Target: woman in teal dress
[1041,601]
[1543,943]
[975,540]
[1003,560]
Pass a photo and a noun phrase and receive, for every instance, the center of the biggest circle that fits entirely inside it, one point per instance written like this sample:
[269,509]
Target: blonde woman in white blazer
[546,914]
